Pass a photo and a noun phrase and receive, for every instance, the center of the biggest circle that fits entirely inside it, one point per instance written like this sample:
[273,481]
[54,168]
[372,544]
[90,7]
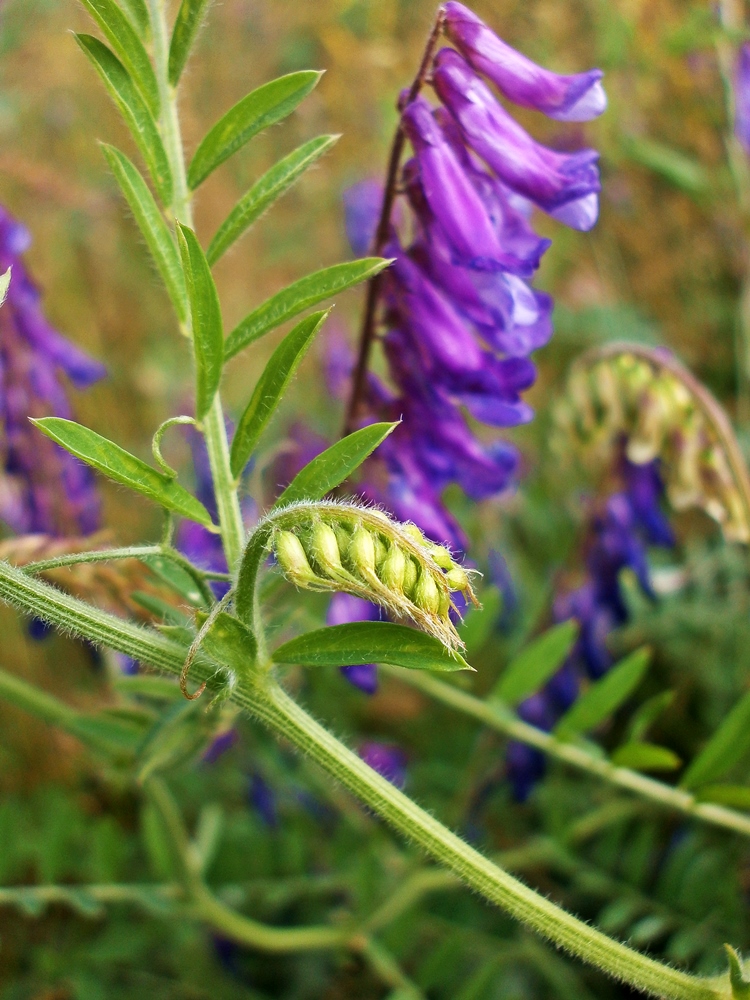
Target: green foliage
[298,296]
[729,745]
[265,106]
[133,109]
[124,39]
[266,190]
[536,663]
[154,229]
[334,465]
[137,11]
[370,642]
[271,387]
[605,696]
[186,27]
[122,467]
[642,756]
[206,325]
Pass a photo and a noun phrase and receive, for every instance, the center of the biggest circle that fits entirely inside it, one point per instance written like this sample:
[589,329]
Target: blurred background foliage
[665,265]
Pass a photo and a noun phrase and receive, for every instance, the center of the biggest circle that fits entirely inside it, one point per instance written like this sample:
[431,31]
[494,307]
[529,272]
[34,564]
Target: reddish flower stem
[367,334]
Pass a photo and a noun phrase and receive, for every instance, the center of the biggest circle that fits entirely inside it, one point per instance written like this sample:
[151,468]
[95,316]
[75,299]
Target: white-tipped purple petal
[567,98]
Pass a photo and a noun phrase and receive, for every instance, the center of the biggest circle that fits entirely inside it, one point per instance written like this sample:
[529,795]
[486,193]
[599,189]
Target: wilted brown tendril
[646,399]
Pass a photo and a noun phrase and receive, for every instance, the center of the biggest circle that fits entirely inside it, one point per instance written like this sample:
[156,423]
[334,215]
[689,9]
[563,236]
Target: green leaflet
[205,311]
[678,168]
[728,746]
[186,27]
[124,39]
[536,663]
[265,106]
[116,463]
[290,301]
[733,796]
[229,642]
[137,11]
[647,714]
[264,193]
[370,642]
[606,695]
[329,469]
[151,223]
[645,757]
[271,386]
[133,109]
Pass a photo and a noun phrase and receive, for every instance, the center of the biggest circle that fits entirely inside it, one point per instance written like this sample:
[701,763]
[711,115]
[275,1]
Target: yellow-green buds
[360,550]
[644,400]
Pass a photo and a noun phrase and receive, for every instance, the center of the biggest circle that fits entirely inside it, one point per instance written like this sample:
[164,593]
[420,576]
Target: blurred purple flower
[263,799]
[361,211]
[388,760]
[219,745]
[576,98]
[346,608]
[742,97]
[628,522]
[42,488]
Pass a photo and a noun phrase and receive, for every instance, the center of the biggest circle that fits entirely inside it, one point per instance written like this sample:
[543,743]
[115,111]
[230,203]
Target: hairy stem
[214,426]
[367,334]
[499,717]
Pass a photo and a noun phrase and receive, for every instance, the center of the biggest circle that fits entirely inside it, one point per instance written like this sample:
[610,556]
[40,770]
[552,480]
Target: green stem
[214,427]
[500,718]
[100,555]
[272,706]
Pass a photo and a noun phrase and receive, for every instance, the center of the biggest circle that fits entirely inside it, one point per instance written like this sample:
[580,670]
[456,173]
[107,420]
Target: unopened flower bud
[410,576]
[646,441]
[292,559]
[457,579]
[393,569]
[381,551]
[442,557]
[413,531]
[361,551]
[427,594]
[325,549]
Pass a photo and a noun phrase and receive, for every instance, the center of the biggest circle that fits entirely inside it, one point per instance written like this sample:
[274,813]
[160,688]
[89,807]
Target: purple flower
[263,799]
[564,184]
[388,760]
[362,204]
[742,97]
[43,488]
[219,745]
[576,98]
[627,522]
[346,608]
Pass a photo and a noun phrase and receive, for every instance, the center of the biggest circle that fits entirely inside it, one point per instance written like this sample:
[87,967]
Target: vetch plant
[459,321]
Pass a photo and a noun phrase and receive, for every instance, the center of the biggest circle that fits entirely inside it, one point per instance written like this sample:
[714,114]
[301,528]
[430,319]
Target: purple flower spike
[450,196]
[565,185]
[576,98]
[742,97]
[387,760]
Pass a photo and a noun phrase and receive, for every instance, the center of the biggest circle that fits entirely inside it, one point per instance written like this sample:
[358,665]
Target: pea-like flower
[42,487]
[575,98]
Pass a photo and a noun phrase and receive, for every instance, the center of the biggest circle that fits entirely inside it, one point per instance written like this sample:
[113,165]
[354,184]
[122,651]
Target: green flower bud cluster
[644,400]
[360,550]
